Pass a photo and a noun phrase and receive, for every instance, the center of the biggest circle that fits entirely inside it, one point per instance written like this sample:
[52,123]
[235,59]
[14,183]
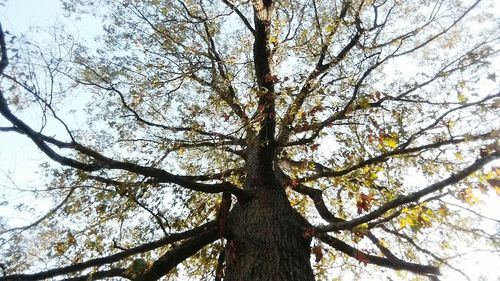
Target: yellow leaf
[60,248]
[389,140]
[459,156]
[382,243]
[468,197]
[406,221]
[443,211]
[462,98]
[364,102]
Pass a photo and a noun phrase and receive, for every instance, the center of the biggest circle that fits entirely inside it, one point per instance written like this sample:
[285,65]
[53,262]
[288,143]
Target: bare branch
[307,88]
[180,253]
[423,250]
[396,152]
[44,217]
[444,31]
[115,272]
[242,17]
[396,264]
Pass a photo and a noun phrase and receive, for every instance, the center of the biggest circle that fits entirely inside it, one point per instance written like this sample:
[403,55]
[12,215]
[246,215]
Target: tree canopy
[257,140]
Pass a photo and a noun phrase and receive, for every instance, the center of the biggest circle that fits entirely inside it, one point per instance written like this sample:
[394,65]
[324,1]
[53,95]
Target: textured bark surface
[268,241]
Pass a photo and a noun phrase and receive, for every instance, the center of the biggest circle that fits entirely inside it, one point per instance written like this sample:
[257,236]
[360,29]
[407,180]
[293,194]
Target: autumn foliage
[255,140]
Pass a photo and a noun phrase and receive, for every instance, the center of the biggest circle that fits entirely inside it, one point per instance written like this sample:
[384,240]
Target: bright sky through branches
[19,158]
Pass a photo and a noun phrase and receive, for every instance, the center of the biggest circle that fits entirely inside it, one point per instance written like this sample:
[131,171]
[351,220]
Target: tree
[235,139]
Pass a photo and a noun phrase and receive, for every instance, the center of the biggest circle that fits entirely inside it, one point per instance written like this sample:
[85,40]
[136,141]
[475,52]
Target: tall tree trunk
[267,240]
[266,235]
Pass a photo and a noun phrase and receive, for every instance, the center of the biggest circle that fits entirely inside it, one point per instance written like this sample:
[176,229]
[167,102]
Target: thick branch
[413,197]
[396,152]
[201,230]
[396,264]
[263,10]
[261,136]
[103,162]
[3,49]
[180,253]
[317,197]
[104,274]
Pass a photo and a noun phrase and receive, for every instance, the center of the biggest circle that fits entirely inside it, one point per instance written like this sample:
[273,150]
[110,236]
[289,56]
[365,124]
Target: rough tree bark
[266,240]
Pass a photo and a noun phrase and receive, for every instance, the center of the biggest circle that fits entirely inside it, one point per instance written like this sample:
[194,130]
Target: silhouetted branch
[115,272]
[44,217]
[177,255]
[402,150]
[102,162]
[396,264]
[413,197]
[3,49]
[201,231]
[242,17]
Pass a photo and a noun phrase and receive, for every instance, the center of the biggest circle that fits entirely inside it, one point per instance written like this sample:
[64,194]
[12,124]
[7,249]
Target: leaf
[370,138]
[492,77]
[388,140]
[359,232]
[382,243]
[418,217]
[364,202]
[364,102]
[61,248]
[269,78]
[461,98]
[314,146]
[468,196]
[494,182]
[459,156]
[362,257]
[71,239]
[300,114]
[443,210]
[318,253]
